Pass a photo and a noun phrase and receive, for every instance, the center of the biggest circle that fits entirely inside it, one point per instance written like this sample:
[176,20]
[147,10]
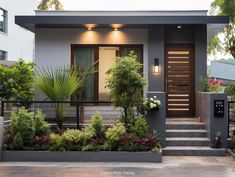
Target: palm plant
[50,4]
[58,84]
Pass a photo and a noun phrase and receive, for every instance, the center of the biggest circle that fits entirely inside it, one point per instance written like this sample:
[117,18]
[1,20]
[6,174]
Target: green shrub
[140,128]
[58,142]
[41,126]
[87,134]
[230,91]
[18,142]
[97,123]
[73,136]
[22,124]
[114,135]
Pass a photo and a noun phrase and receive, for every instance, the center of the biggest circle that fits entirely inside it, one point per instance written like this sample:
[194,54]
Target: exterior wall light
[115,29]
[179,27]
[89,29]
[156,65]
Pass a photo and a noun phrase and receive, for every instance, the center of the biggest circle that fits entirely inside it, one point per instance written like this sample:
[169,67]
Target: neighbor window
[3,20]
[3,55]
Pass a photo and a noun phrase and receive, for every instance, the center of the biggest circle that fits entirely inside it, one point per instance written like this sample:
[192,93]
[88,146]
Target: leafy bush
[58,142]
[41,126]
[22,127]
[16,83]
[73,136]
[41,142]
[18,142]
[97,123]
[126,93]
[150,141]
[114,135]
[230,91]
[87,134]
[140,127]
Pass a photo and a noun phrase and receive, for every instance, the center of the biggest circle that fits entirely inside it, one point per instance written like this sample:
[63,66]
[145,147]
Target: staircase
[188,137]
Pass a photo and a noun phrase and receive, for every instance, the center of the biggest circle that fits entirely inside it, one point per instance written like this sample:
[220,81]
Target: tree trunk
[232,51]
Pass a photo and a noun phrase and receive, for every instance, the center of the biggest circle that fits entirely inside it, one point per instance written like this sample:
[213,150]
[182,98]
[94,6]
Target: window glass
[3,55]
[2,20]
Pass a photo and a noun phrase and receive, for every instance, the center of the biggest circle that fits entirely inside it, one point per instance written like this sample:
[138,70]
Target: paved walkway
[171,167]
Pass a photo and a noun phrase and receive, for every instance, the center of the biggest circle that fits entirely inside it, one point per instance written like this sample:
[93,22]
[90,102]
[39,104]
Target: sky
[141,5]
[136,4]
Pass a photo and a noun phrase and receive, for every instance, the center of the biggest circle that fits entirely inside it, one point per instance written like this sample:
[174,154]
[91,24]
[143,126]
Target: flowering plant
[211,85]
[152,104]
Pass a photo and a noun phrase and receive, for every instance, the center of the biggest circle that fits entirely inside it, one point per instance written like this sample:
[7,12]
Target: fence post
[2,108]
[78,115]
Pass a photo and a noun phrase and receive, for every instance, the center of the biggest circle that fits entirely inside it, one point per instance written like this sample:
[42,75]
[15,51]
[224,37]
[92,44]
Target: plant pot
[217,144]
[154,109]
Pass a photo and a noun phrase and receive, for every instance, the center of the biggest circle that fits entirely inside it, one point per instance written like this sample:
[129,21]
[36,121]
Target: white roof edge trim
[124,13]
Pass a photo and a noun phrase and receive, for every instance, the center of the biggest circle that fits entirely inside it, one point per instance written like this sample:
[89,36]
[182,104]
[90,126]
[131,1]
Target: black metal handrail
[76,104]
[231,117]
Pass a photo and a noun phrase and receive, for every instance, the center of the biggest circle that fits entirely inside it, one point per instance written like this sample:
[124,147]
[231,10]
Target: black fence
[76,113]
[231,118]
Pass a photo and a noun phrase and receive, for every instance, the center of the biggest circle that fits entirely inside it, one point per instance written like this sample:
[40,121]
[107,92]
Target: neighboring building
[172,45]
[222,71]
[15,42]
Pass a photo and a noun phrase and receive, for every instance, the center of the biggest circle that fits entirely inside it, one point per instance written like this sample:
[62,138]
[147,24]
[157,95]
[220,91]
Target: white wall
[53,46]
[18,42]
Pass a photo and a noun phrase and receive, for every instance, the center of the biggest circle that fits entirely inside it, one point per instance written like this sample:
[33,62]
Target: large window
[3,55]
[104,56]
[3,20]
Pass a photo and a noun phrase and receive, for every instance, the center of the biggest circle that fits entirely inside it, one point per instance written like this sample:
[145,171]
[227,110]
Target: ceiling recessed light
[179,26]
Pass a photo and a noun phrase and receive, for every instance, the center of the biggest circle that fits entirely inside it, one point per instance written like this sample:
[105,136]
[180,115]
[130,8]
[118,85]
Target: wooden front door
[180,80]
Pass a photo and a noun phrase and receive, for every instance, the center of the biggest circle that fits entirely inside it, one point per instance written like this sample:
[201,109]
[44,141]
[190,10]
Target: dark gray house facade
[173,41]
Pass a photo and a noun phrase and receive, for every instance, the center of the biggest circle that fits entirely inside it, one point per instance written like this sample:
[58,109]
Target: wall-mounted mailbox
[218,108]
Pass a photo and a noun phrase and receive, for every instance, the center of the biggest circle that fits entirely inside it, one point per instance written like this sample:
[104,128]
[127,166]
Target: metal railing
[231,118]
[77,113]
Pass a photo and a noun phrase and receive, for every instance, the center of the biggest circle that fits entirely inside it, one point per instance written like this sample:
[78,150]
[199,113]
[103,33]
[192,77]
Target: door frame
[96,47]
[193,66]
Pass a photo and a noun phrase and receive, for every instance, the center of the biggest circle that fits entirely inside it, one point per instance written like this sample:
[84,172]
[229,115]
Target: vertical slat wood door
[180,82]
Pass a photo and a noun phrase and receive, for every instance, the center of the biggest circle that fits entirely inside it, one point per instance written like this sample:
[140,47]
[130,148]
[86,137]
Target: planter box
[78,156]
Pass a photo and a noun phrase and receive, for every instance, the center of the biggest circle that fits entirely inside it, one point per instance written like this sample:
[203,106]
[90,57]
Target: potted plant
[152,104]
[218,140]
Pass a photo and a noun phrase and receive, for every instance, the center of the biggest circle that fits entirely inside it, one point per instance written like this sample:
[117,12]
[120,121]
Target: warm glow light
[156,69]
[89,29]
[115,29]
[179,27]
[156,65]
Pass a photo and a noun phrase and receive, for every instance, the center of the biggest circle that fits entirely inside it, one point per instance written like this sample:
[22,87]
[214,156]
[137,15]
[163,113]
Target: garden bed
[78,156]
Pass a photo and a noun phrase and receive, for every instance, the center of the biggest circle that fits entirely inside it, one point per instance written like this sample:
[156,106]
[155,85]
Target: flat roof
[127,19]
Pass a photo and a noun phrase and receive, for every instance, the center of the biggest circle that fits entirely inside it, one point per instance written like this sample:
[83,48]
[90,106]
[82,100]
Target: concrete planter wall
[205,110]
[157,119]
[78,156]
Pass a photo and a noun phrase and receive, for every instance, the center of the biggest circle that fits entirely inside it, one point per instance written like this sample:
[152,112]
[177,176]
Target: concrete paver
[171,167]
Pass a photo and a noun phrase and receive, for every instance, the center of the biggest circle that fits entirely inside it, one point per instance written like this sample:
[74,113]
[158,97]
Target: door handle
[166,84]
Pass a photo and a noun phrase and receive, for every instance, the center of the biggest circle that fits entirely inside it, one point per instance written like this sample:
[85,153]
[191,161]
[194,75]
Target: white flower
[154,96]
[151,99]
[151,105]
[158,102]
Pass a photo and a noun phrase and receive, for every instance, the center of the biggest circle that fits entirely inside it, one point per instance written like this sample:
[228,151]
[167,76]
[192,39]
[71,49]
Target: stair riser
[187,143]
[185,126]
[186,134]
[194,152]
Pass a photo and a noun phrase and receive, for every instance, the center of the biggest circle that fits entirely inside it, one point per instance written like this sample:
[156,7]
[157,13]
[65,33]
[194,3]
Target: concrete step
[185,125]
[192,151]
[188,141]
[186,133]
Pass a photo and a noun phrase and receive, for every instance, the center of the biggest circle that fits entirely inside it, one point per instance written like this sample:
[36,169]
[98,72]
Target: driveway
[171,166]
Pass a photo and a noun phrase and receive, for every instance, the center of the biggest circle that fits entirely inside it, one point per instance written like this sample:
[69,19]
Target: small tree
[16,83]
[126,84]
[224,7]
[50,4]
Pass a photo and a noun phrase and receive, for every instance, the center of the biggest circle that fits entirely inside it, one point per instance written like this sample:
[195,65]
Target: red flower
[210,81]
[221,83]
